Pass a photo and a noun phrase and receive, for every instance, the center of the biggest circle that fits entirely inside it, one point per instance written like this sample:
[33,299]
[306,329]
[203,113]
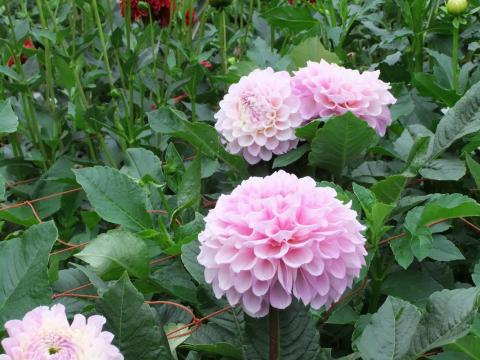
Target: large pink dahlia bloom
[45,334]
[328,89]
[280,237]
[258,116]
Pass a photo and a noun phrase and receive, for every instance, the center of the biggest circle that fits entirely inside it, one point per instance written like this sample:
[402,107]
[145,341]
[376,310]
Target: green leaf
[389,189]
[290,157]
[389,332]
[111,253]
[459,121]
[417,157]
[449,316]
[3,184]
[204,137]
[444,250]
[142,162]
[427,86]
[340,141]
[8,119]
[23,271]
[298,336]
[469,345]
[173,279]
[189,260]
[474,168]
[190,187]
[444,169]
[296,18]
[309,130]
[399,330]
[133,323]
[311,49]
[115,197]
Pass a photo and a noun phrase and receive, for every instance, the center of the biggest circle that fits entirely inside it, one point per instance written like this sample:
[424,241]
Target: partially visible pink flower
[328,89]
[258,116]
[45,334]
[280,237]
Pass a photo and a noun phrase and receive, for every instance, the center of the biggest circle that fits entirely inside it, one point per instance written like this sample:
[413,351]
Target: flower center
[53,350]
[254,110]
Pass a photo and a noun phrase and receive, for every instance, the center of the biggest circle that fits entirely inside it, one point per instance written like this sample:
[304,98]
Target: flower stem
[455,56]
[102,41]
[223,40]
[274,334]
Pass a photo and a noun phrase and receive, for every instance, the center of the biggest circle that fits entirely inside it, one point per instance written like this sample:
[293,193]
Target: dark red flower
[187,17]
[28,44]
[160,10]
[206,64]
[154,107]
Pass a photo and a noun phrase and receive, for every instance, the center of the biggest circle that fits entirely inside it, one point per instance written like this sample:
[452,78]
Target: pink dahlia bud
[45,334]
[280,237]
[258,116]
[328,89]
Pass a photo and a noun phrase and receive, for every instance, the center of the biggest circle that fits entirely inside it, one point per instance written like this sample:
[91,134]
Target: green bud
[142,5]
[457,7]
[115,93]
[231,60]
[169,169]
[220,4]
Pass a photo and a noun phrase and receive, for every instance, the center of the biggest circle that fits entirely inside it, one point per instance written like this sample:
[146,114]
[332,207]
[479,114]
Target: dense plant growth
[239,179]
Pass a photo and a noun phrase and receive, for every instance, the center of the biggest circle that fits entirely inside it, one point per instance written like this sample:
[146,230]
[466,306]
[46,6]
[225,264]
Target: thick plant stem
[223,40]
[48,61]
[455,57]
[274,334]
[102,41]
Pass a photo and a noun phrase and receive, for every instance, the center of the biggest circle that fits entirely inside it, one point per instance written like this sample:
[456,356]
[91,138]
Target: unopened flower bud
[142,5]
[457,7]
[115,93]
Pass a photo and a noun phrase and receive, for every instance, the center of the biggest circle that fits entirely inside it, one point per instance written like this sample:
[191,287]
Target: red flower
[28,44]
[160,10]
[206,64]
[187,17]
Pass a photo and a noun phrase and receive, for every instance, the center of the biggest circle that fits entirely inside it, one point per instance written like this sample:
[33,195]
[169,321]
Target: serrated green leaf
[296,18]
[142,162]
[133,323]
[474,168]
[389,189]
[311,49]
[299,339]
[339,142]
[390,331]
[115,197]
[201,135]
[23,271]
[462,119]
[8,119]
[111,253]
[290,157]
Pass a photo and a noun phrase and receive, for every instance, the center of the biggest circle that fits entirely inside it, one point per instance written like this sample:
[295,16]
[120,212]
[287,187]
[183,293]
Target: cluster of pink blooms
[46,334]
[280,237]
[258,116]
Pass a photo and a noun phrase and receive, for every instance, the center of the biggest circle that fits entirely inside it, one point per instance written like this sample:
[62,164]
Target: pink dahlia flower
[258,115]
[328,89]
[280,237]
[45,334]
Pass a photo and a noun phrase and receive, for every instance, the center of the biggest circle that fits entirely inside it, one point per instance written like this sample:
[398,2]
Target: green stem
[223,40]
[274,334]
[418,52]
[48,60]
[333,16]
[455,57]
[102,41]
